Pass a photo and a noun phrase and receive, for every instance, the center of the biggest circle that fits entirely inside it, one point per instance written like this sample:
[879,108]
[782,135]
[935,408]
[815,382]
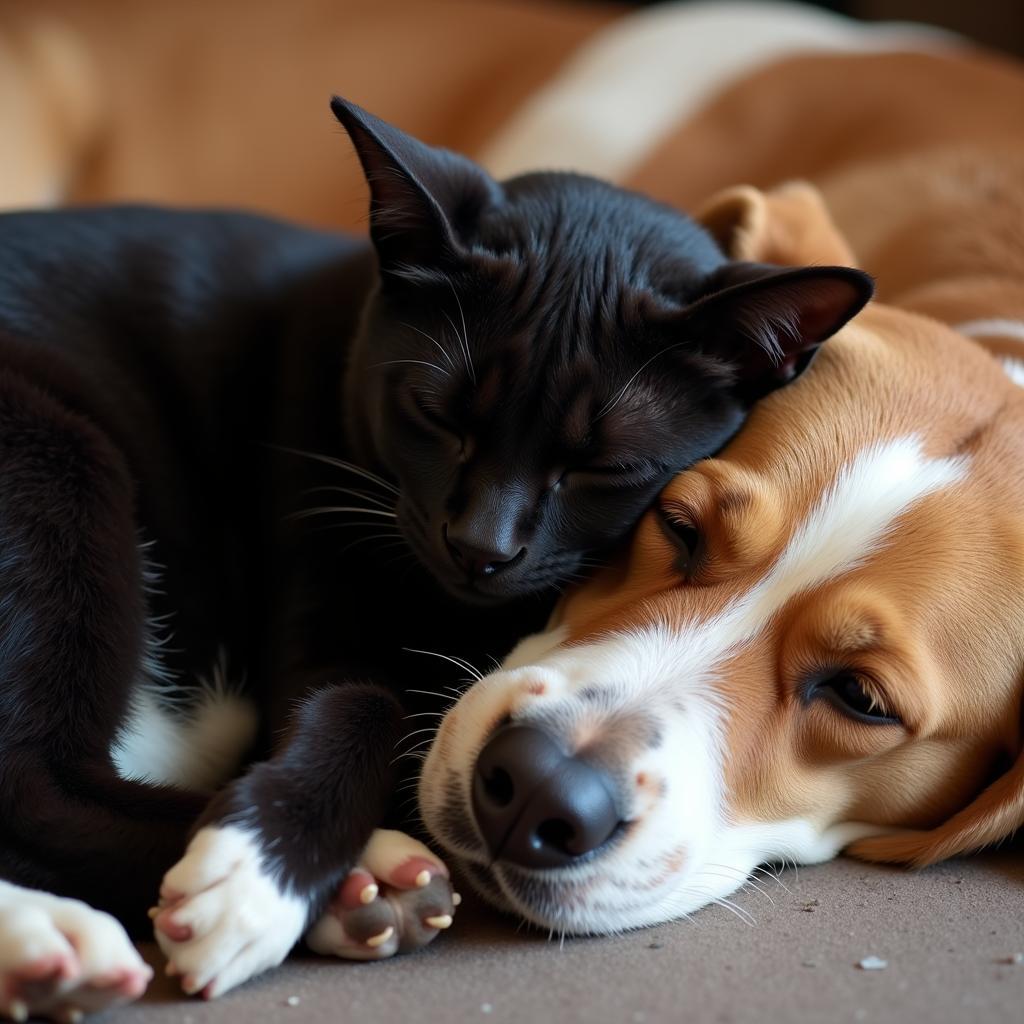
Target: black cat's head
[543,354]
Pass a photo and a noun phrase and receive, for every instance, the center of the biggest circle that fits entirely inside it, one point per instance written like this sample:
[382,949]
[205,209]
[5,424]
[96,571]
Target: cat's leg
[71,631]
[279,842]
[60,958]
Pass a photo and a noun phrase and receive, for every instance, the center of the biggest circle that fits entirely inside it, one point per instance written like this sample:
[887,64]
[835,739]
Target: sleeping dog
[814,643]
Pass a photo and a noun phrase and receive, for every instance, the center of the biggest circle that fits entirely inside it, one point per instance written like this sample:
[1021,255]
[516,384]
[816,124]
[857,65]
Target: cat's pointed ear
[422,199]
[768,322]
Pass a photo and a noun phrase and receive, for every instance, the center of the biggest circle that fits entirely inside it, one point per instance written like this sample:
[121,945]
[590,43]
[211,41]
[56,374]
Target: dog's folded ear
[423,200]
[789,225]
[768,322]
[995,814]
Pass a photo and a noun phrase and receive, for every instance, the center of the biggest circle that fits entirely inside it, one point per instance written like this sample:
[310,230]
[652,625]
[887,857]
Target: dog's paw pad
[223,918]
[396,901]
[395,921]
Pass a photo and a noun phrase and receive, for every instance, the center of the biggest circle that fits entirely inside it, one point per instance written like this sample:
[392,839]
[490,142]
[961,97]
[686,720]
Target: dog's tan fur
[918,157]
[225,103]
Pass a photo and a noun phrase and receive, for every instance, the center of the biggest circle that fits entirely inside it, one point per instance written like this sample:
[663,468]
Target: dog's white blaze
[851,521]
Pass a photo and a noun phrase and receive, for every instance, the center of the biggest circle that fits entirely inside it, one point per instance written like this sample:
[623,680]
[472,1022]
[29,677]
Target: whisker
[326,509]
[416,732]
[393,530]
[458,662]
[611,403]
[411,756]
[417,362]
[365,495]
[434,342]
[349,467]
[394,541]
[465,333]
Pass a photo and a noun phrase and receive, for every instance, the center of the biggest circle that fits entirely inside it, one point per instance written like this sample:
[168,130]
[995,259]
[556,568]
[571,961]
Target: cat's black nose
[478,558]
[536,806]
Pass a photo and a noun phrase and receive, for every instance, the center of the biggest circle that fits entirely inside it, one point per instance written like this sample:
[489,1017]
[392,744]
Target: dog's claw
[441,921]
[378,940]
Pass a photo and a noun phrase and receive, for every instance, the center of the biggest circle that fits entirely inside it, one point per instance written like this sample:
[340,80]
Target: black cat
[506,376]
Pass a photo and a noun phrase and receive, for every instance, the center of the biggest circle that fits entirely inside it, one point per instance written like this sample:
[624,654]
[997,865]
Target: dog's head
[814,642]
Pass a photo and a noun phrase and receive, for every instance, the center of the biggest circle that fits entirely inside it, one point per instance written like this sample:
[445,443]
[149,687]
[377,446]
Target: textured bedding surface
[948,937]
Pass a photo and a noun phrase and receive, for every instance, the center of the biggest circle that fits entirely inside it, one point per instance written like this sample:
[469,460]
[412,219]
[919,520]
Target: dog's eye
[856,697]
[684,535]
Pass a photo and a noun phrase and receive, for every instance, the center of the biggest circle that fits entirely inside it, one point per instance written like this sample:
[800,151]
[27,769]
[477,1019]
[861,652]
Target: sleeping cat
[201,413]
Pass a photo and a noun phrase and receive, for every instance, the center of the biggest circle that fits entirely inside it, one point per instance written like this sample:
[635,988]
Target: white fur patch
[992,328]
[241,921]
[37,926]
[1014,369]
[646,73]
[197,748]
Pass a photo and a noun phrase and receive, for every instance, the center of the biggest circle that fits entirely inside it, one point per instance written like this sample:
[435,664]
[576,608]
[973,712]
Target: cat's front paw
[223,918]
[397,900]
[61,959]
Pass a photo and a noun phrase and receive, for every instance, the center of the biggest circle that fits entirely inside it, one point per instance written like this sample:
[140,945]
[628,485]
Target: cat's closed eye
[623,472]
[429,414]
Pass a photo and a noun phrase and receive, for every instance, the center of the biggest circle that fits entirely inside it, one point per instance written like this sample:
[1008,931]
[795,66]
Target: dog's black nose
[477,559]
[536,806]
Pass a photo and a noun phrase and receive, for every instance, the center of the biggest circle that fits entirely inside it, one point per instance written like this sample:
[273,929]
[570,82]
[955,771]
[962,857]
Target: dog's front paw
[222,917]
[60,959]
[397,900]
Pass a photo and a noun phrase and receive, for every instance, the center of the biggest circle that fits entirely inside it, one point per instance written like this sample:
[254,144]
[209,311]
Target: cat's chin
[469,593]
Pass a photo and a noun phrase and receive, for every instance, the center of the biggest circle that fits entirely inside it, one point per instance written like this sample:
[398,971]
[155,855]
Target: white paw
[222,918]
[396,900]
[60,959]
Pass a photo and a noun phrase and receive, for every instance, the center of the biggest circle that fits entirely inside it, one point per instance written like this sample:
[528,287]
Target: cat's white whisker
[608,406]
[417,362]
[327,509]
[447,355]
[460,662]
[465,334]
[349,467]
[365,495]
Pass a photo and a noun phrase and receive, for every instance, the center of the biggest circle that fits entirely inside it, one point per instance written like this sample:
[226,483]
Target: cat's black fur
[527,364]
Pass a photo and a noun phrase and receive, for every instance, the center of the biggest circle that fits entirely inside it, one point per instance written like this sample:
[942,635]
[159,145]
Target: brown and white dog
[815,642]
